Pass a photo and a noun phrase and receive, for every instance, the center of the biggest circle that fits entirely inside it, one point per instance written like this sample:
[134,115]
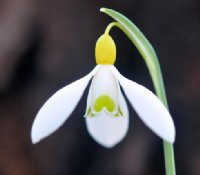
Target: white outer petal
[149,108]
[107,130]
[58,108]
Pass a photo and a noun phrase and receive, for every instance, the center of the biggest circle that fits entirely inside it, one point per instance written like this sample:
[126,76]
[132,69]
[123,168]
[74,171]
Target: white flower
[107,116]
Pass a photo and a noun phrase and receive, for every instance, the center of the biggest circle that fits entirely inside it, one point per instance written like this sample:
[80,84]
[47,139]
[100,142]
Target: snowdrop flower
[106,116]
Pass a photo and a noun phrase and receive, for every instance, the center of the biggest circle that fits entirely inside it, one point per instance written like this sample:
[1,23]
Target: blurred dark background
[46,44]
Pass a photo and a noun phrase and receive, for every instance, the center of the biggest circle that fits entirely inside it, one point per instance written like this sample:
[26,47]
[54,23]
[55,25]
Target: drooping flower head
[106,116]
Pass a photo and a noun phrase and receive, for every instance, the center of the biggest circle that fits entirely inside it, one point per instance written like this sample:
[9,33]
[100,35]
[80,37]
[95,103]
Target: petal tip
[107,145]
[170,136]
[34,139]
[173,136]
[36,135]
[113,132]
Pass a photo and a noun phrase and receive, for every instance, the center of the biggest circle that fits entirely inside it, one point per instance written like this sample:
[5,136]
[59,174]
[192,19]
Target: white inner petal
[106,130]
[104,85]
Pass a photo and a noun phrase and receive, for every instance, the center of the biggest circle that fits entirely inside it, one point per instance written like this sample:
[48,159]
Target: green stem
[169,158]
[151,60]
[110,26]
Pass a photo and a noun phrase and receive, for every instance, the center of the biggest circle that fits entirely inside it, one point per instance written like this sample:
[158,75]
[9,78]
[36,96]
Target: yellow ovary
[105,50]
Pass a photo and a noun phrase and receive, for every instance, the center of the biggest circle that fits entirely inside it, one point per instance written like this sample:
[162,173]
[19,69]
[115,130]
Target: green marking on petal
[104,101]
[119,113]
[89,113]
